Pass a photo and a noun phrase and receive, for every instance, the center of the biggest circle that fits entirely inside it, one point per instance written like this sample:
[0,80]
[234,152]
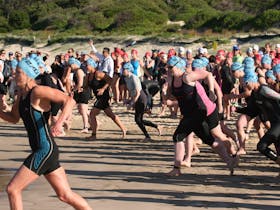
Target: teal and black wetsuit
[44,156]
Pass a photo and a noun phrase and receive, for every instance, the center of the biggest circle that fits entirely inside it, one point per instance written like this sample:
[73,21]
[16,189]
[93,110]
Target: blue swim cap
[237,66]
[178,62]
[91,62]
[32,55]
[251,78]
[173,61]
[74,61]
[197,63]
[128,66]
[276,69]
[270,75]
[30,67]
[266,59]
[14,64]
[249,61]
[205,61]
[39,61]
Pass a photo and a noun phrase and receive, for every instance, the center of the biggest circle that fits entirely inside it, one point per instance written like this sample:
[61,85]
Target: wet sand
[112,173]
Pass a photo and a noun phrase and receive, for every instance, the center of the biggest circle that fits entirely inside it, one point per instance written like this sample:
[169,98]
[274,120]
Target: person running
[266,103]
[138,100]
[81,92]
[199,112]
[99,82]
[32,105]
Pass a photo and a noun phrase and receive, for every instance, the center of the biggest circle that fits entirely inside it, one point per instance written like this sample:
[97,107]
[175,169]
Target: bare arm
[12,116]
[41,98]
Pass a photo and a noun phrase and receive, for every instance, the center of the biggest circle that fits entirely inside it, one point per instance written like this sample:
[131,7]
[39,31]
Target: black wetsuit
[102,101]
[227,80]
[44,156]
[268,107]
[194,119]
[84,96]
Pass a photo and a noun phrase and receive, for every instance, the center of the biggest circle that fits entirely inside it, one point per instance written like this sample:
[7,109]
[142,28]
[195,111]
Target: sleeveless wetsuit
[102,102]
[194,118]
[44,157]
[84,96]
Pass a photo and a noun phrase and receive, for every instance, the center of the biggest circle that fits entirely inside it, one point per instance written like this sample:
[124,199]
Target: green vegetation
[137,17]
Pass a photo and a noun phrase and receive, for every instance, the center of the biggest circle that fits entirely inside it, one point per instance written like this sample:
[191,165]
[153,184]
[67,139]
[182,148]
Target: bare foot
[195,151]
[185,164]
[159,128]
[85,130]
[174,172]
[124,133]
[241,151]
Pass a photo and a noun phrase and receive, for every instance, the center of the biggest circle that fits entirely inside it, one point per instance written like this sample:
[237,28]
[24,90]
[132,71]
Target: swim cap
[236,66]
[249,61]
[181,50]
[266,59]
[178,62]
[252,78]
[128,66]
[197,63]
[269,74]
[276,69]
[91,62]
[14,64]
[205,61]
[30,67]
[74,61]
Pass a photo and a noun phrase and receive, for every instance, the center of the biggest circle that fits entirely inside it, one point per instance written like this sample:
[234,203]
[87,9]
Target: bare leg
[189,146]
[59,182]
[115,88]
[83,109]
[179,148]
[94,112]
[217,132]
[221,150]
[116,119]
[22,179]
[241,124]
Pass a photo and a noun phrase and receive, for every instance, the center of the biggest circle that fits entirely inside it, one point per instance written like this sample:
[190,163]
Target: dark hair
[106,49]
[212,59]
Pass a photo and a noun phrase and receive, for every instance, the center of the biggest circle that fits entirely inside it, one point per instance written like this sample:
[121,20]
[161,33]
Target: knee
[178,137]
[64,196]
[11,189]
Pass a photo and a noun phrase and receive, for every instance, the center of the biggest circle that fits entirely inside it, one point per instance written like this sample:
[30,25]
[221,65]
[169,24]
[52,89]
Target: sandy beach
[124,174]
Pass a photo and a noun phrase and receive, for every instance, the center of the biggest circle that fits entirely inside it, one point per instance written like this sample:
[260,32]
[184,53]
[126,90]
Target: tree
[19,19]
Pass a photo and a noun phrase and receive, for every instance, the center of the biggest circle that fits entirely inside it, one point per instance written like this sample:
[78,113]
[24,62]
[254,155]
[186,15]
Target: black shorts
[213,119]
[102,102]
[82,97]
[197,124]
[42,162]
[122,81]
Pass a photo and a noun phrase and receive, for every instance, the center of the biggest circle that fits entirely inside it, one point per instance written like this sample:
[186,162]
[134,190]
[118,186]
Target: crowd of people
[199,89]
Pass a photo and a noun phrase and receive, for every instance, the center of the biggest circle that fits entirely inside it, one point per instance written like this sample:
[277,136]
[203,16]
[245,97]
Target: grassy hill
[136,17]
